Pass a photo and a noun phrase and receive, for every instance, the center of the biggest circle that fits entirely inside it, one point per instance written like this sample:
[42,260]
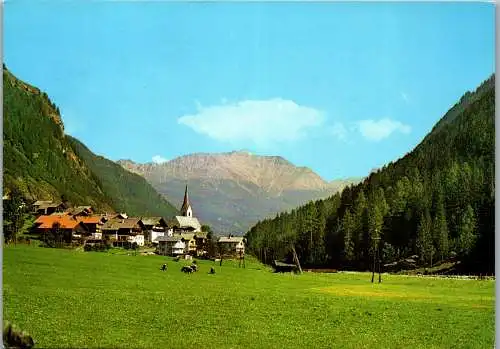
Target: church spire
[186,206]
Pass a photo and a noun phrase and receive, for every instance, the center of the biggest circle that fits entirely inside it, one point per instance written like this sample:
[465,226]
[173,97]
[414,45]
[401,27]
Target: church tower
[186,209]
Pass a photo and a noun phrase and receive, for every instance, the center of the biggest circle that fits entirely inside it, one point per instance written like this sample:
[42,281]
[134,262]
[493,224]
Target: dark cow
[187,269]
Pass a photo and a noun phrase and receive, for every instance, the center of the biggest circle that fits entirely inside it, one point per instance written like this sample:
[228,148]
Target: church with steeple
[186,222]
[186,209]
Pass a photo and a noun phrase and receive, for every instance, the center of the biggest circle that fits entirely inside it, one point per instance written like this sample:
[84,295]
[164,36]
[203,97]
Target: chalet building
[201,243]
[232,244]
[154,227]
[190,241]
[192,244]
[80,211]
[171,245]
[120,230]
[94,224]
[47,207]
[67,225]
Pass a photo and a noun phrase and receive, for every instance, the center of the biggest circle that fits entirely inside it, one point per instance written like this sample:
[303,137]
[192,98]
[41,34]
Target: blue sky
[339,87]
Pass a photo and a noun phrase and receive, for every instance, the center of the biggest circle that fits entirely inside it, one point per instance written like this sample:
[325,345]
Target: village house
[121,230]
[190,241]
[80,211]
[171,245]
[47,207]
[201,243]
[85,214]
[232,244]
[153,228]
[94,224]
[117,215]
[66,225]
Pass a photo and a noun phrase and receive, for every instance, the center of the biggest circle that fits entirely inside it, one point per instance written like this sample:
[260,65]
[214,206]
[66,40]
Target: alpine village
[96,255]
[58,224]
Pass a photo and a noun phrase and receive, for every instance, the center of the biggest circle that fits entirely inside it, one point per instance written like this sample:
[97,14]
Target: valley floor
[76,299]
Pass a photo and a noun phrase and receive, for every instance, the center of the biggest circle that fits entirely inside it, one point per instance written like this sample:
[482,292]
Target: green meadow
[70,299]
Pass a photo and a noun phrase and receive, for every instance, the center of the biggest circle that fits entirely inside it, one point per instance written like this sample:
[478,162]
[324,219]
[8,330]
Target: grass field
[74,299]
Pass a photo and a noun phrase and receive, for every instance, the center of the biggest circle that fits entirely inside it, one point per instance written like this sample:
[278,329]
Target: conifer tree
[467,237]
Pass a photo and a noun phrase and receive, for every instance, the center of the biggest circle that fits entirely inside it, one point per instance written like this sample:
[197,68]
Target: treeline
[436,202]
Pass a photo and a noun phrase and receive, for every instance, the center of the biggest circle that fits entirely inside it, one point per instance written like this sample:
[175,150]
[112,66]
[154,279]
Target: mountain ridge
[232,190]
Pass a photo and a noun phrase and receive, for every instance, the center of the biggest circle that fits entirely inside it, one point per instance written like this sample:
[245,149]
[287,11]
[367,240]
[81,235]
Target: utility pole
[375,257]
[379,263]
[296,259]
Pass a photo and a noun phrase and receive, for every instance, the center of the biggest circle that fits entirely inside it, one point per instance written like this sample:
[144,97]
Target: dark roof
[118,223]
[41,202]
[79,209]
[231,239]
[48,204]
[185,203]
[169,238]
[153,220]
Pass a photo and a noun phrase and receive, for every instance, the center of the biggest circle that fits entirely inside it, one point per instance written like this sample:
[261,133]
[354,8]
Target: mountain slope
[232,191]
[44,163]
[128,192]
[435,202]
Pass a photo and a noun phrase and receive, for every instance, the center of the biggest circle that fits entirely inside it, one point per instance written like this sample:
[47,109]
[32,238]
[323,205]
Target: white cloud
[158,159]
[383,128]
[260,122]
[338,130]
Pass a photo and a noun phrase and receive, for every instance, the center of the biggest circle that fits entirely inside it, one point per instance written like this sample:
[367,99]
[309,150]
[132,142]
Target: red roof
[65,222]
[95,219]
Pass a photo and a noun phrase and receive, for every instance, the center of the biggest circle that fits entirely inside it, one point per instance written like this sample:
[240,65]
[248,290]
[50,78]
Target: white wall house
[178,248]
[171,246]
[139,239]
[155,235]
[233,244]
[96,235]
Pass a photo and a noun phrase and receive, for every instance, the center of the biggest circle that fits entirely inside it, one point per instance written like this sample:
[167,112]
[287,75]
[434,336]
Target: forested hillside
[42,163]
[436,202]
[128,192]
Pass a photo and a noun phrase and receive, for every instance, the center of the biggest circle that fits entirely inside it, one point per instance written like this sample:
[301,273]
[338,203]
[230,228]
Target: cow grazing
[194,267]
[212,270]
[187,269]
